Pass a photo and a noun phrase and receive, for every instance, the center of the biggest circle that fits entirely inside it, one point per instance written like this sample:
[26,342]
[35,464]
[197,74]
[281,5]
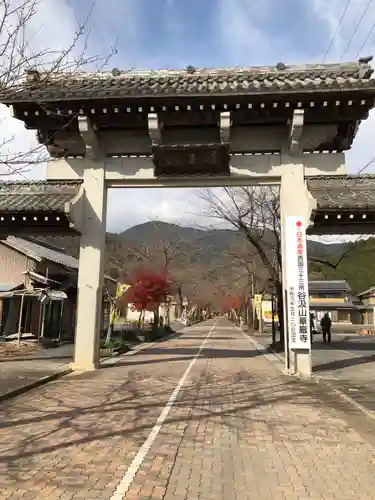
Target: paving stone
[239,429]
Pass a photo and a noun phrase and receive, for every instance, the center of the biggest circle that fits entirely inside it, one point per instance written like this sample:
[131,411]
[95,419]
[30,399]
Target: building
[31,270]
[170,311]
[336,298]
[368,306]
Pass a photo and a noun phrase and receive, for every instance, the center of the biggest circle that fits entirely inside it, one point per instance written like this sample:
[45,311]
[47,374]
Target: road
[348,364]
[202,416]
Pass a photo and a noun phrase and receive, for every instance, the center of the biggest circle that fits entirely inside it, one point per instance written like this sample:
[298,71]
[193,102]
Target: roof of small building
[333,305]
[328,285]
[369,291]
[38,196]
[40,251]
[281,78]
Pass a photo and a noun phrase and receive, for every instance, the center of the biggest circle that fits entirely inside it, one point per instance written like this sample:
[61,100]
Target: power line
[356,29]
[366,40]
[366,166]
[371,46]
[337,30]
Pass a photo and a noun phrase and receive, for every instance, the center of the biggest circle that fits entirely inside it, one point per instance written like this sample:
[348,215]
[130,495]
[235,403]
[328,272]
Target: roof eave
[22,250]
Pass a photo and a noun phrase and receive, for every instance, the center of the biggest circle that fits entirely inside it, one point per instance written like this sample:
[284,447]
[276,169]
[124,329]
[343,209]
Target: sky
[202,33]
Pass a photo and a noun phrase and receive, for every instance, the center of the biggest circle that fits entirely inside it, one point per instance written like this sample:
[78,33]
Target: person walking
[326,324]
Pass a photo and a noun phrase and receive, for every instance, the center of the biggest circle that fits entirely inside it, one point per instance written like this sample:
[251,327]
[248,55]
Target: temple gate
[283,125]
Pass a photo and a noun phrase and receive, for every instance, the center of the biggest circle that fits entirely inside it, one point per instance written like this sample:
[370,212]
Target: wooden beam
[225,125]
[295,131]
[154,128]
[89,137]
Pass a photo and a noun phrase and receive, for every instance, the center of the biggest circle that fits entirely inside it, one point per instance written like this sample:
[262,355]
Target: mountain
[357,267]
[207,257]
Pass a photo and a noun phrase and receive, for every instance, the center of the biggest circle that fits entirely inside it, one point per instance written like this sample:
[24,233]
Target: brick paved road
[238,429]
[347,364]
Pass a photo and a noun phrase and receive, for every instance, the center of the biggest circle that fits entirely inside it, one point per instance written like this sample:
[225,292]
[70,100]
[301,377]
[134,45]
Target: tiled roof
[36,196]
[333,305]
[328,285]
[343,192]
[191,81]
[369,291]
[41,252]
[35,249]
[330,191]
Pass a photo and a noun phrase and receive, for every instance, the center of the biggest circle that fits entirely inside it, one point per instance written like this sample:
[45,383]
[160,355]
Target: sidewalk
[19,371]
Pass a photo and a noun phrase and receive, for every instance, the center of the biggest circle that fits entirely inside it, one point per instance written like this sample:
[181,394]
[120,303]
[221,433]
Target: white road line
[129,476]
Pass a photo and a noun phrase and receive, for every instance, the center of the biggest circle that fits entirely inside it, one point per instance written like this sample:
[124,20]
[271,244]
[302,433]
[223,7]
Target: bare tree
[255,212]
[164,255]
[21,60]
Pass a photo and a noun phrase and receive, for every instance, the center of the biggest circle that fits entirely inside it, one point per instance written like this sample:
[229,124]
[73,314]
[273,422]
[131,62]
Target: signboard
[297,283]
[121,289]
[257,303]
[267,312]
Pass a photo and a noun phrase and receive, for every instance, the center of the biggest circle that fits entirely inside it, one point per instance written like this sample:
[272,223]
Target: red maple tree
[148,290]
[231,302]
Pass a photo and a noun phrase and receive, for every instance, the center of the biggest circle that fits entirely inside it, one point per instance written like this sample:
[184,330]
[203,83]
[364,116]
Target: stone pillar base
[302,363]
[83,366]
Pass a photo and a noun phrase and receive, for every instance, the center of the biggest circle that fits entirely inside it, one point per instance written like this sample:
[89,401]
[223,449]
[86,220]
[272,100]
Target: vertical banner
[258,305]
[297,283]
[121,289]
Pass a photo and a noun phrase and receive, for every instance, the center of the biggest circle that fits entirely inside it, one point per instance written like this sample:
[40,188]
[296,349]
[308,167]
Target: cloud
[250,34]
[356,25]
[128,207]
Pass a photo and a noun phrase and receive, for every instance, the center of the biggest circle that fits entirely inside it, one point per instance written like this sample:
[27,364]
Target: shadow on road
[345,345]
[236,395]
[227,400]
[338,364]
[92,413]
[182,355]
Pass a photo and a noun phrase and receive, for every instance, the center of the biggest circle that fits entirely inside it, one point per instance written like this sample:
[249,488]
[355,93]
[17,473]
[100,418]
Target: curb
[62,373]
[33,385]
[142,347]
[106,361]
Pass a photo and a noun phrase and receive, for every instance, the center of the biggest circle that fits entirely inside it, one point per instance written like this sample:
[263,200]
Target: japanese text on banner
[297,283]
[303,321]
